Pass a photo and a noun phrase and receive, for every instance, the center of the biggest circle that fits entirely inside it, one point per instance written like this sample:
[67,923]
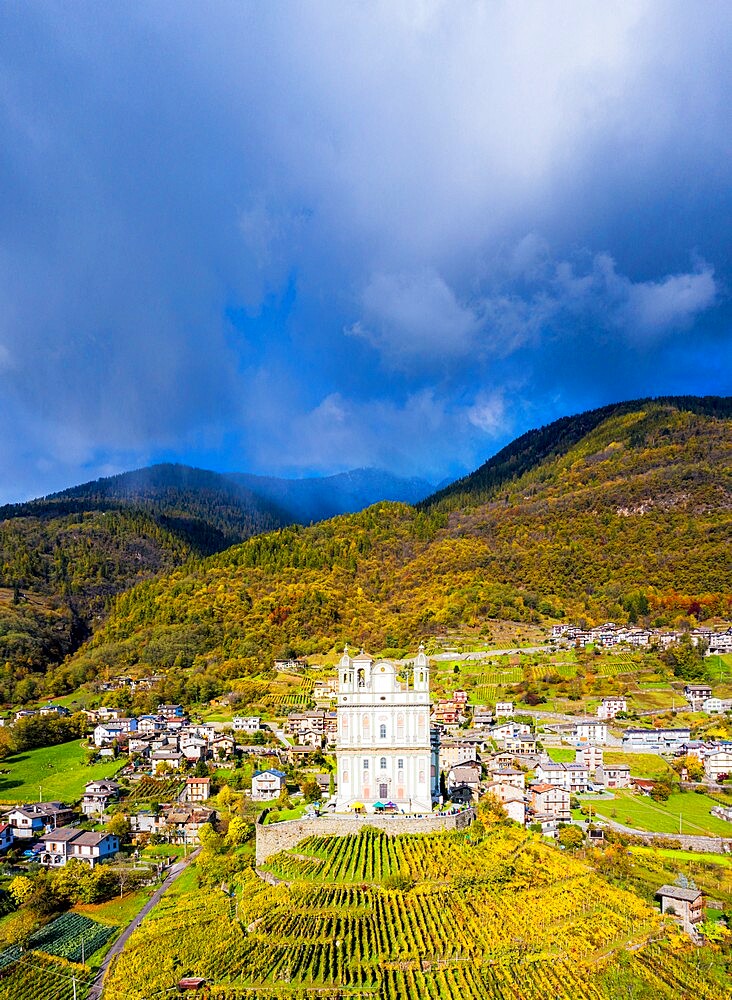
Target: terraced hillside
[432,916]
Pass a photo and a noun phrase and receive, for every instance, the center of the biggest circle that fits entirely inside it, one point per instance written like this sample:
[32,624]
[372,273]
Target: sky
[298,238]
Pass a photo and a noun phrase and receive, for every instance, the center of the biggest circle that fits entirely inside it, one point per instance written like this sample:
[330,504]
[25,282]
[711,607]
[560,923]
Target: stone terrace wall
[282,836]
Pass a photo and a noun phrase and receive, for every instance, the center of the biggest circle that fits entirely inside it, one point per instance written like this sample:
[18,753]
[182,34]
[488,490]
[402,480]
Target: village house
[171,711]
[58,710]
[720,643]
[509,776]
[182,825]
[308,728]
[29,821]
[718,762]
[290,666]
[482,716]
[613,775]
[572,777]
[97,797]
[590,755]
[659,740]
[696,694]
[267,784]
[193,748]
[148,724]
[245,723]
[687,905]
[713,706]
[196,790]
[161,760]
[511,798]
[446,713]
[466,774]
[324,692]
[454,751]
[223,747]
[504,709]
[67,842]
[548,800]
[591,731]
[520,743]
[108,732]
[611,706]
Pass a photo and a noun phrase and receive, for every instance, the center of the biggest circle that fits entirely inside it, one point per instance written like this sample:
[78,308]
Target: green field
[723,860]
[561,755]
[642,813]
[51,773]
[642,765]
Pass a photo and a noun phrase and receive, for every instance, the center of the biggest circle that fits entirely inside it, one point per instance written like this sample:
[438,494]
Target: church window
[400,763]
[382,763]
[365,764]
[366,724]
[400,726]
[421,777]
[361,678]
[383,791]
[345,777]
[382,731]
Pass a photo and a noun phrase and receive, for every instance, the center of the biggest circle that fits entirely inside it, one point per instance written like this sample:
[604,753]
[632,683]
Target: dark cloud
[317,236]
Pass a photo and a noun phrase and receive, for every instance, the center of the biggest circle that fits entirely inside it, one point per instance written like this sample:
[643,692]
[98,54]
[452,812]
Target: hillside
[640,505]
[480,917]
[63,557]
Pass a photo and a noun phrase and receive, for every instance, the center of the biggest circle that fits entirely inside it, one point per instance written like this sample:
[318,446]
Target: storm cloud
[305,237]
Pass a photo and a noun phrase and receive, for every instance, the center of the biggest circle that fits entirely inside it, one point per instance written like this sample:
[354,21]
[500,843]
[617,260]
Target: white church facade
[386,756]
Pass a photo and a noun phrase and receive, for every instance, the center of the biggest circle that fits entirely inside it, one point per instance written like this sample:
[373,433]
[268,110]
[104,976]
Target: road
[176,871]
[483,654]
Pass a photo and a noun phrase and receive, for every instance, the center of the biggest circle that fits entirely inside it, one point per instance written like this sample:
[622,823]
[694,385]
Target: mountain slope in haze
[319,498]
[641,505]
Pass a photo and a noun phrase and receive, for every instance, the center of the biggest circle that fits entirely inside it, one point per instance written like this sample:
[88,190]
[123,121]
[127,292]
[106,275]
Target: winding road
[95,991]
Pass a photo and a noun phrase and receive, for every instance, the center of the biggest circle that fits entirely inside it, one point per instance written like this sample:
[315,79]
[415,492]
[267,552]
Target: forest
[631,523]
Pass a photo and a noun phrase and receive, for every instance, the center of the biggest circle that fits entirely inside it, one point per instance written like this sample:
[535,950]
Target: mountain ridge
[641,504]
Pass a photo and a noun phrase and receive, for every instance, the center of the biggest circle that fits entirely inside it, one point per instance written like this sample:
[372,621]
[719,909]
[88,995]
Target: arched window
[382,731]
[366,724]
[382,763]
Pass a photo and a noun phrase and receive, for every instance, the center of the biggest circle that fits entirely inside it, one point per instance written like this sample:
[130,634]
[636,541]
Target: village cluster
[610,634]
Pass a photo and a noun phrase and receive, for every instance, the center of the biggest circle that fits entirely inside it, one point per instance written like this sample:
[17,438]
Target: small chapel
[387,758]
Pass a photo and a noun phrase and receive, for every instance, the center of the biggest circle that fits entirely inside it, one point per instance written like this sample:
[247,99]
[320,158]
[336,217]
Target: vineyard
[45,970]
[36,977]
[156,790]
[411,917]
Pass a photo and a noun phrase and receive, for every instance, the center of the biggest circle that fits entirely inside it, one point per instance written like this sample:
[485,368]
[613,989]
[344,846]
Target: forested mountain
[64,556]
[554,440]
[639,503]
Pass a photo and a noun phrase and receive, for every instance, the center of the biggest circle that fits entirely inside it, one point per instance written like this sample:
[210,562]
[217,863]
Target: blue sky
[301,238]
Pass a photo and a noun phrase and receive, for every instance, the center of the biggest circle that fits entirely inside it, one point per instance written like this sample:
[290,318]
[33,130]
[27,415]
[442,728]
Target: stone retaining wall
[282,836]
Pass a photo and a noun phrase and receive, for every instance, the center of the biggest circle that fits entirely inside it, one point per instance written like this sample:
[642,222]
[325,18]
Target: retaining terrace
[275,837]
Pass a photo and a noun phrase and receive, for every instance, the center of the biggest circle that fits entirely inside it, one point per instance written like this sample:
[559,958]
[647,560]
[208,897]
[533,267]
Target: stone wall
[283,836]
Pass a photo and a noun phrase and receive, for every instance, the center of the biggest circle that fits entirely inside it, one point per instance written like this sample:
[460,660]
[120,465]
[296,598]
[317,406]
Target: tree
[571,837]
[119,826]
[238,831]
[17,928]
[21,888]
[311,791]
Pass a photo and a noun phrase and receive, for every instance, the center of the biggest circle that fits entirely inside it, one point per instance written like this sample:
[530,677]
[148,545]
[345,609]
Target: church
[387,758]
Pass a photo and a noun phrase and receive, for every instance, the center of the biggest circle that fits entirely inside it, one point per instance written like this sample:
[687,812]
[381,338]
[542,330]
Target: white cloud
[415,318]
